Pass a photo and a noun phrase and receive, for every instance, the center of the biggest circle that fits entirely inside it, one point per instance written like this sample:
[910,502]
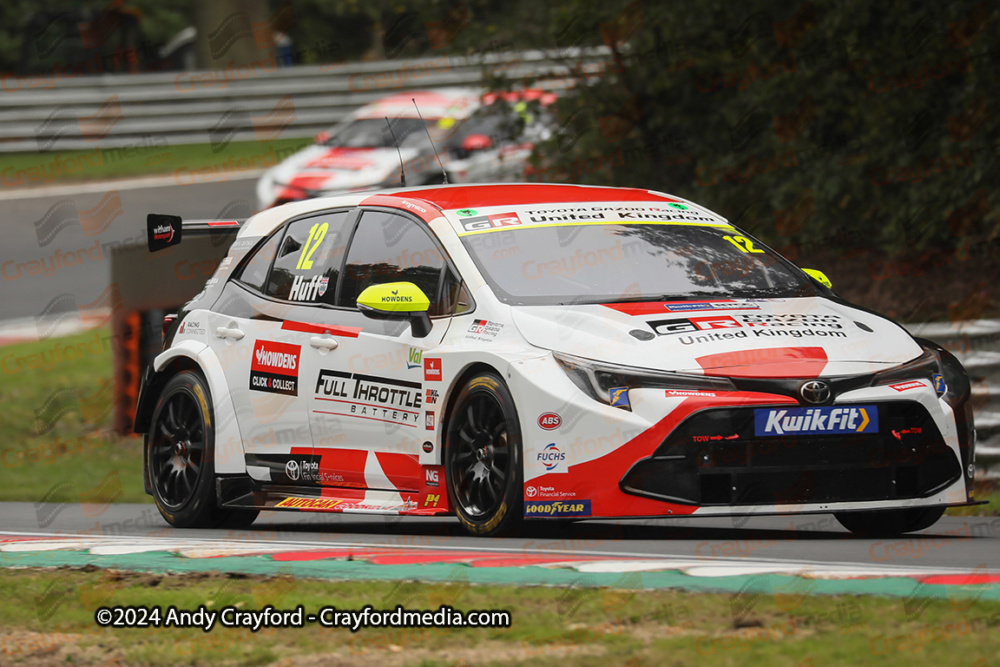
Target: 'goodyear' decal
[557,508]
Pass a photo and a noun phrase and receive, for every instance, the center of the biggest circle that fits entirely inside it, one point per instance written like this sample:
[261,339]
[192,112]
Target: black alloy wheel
[180,457]
[177,450]
[483,457]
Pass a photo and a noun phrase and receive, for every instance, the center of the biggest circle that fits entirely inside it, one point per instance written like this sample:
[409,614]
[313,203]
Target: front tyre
[483,457]
[887,523]
[181,457]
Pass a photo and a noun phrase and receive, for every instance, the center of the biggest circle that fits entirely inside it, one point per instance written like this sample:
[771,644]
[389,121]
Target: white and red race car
[529,351]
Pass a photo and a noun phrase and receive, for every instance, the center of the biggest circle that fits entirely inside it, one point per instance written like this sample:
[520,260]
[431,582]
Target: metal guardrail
[52,112]
[976,343]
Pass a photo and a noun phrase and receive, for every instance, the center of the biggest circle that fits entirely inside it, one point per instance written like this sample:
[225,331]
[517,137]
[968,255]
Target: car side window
[308,259]
[255,271]
[455,298]
[389,248]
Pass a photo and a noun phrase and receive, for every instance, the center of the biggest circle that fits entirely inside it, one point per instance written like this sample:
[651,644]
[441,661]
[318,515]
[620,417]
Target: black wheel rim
[480,455]
[177,450]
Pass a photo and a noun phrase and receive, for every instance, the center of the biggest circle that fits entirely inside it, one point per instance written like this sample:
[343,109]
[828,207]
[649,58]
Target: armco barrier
[977,345]
[49,112]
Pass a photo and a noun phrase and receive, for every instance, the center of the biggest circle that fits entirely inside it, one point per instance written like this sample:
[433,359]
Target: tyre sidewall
[508,515]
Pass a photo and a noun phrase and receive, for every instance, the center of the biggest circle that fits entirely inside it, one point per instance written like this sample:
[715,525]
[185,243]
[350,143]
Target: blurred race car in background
[480,138]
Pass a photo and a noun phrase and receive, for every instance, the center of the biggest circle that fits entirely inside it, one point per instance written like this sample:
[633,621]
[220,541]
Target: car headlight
[924,367]
[602,381]
[937,365]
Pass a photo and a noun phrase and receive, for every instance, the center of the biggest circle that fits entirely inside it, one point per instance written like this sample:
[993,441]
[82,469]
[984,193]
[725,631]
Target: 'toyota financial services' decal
[816,421]
[275,368]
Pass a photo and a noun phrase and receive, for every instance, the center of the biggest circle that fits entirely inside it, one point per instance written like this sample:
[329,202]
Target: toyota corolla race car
[520,352]
[480,138]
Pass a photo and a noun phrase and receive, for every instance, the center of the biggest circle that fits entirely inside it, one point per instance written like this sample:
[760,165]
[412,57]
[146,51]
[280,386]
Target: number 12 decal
[316,235]
[743,243]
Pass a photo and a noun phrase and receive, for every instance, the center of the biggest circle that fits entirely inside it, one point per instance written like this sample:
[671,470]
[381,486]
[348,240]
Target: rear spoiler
[163,231]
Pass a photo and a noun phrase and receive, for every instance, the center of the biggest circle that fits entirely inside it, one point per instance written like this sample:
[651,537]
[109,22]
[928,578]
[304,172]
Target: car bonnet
[796,337]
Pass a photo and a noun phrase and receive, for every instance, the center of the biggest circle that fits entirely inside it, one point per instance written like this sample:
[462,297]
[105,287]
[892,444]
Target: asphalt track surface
[26,296]
[953,544]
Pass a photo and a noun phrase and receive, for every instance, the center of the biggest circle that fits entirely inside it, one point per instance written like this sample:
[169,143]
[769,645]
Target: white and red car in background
[512,352]
[479,137]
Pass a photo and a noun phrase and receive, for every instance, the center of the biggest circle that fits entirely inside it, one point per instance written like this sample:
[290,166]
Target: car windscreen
[374,133]
[613,262]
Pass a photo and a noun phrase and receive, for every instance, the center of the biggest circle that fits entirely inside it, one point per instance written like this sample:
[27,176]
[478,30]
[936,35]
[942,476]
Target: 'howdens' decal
[816,421]
[275,368]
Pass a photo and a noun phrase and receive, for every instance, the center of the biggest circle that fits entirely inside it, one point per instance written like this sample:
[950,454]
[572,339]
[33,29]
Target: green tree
[810,124]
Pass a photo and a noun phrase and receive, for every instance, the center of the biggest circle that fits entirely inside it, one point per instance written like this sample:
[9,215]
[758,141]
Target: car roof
[429,202]
[455,103]
[450,197]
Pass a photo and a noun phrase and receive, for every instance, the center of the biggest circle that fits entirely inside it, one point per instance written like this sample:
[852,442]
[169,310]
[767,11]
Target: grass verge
[39,168]
[550,626]
[56,441]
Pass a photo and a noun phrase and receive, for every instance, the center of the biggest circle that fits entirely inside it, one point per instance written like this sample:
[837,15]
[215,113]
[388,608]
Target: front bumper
[651,461]
[714,458]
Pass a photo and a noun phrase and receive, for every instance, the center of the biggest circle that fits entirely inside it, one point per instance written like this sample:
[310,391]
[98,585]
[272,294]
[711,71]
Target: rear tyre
[483,457]
[181,457]
[886,523]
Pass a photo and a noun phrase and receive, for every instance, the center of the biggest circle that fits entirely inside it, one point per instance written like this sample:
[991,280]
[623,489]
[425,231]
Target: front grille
[715,458]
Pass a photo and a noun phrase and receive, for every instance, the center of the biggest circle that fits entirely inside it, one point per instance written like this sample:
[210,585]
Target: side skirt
[242,492]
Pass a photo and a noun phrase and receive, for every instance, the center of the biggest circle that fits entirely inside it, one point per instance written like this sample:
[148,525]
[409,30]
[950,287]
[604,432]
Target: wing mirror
[819,277]
[397,301]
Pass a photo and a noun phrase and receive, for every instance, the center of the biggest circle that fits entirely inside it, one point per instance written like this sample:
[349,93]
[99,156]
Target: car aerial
[481,137]
[539,352]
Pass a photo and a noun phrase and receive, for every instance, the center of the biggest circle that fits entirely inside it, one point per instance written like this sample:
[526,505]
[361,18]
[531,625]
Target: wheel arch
[153,387]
